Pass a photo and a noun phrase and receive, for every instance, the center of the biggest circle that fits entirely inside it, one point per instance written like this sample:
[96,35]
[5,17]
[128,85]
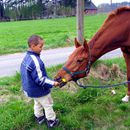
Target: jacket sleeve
[38,77]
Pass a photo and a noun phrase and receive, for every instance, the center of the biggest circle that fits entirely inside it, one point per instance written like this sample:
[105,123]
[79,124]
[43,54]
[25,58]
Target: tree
[66,3]
[1,9]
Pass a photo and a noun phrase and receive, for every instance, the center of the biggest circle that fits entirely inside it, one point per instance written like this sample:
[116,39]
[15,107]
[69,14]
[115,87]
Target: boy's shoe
[126,98]
[53,123]
[40,120]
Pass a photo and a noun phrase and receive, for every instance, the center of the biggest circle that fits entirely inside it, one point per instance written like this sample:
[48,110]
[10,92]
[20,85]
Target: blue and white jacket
[35,82]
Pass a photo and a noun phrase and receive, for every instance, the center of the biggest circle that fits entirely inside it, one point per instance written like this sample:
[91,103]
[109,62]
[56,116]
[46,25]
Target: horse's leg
[126,54]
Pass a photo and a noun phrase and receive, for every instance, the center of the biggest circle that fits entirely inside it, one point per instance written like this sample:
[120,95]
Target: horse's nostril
[58,79]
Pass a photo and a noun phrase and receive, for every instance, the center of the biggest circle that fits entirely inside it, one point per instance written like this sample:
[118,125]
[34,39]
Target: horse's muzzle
[61,81]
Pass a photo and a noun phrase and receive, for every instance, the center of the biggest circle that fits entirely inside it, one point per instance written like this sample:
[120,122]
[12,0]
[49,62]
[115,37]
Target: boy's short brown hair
[34,39]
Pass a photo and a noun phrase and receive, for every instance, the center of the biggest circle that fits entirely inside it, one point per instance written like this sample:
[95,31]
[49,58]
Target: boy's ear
[77,44]
[32,45]
[85,45]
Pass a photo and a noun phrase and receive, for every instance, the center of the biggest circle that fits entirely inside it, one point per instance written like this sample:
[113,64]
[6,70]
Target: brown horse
[113,34]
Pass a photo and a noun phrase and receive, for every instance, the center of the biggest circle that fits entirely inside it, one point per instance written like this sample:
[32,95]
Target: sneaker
[126,98]
[40,120]
[53,123]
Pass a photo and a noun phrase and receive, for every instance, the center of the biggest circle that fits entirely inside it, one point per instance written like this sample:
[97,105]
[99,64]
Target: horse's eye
[79,60]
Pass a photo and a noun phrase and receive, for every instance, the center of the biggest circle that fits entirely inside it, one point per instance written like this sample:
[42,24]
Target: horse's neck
[112,35]
[96,51]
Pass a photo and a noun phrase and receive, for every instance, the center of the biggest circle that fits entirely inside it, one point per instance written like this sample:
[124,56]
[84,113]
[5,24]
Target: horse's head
[77,65]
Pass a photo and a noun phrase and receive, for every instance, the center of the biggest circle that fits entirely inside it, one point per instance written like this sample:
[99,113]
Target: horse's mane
[116,12]
[108,20]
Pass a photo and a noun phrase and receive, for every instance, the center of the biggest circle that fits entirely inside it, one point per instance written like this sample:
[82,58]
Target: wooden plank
[80,20]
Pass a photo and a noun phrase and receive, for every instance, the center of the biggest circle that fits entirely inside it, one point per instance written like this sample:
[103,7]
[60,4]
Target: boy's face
[37,48]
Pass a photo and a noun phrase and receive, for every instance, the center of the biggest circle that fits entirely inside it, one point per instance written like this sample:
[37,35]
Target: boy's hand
[56,84]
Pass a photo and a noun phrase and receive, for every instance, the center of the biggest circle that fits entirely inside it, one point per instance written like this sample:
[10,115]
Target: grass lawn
[14,35]
[77,108]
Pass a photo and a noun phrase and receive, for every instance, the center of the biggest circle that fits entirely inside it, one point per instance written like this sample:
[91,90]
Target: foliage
[32,9]
[67,3]
[35,9]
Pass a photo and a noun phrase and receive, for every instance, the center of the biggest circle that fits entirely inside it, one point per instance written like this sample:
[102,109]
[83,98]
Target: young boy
[36,84]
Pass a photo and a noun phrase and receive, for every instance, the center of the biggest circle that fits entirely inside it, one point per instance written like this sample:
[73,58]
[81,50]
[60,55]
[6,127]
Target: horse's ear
[85,45]
[77,44]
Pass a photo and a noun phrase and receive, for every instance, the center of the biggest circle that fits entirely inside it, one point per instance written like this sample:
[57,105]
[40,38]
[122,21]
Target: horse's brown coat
[113,34]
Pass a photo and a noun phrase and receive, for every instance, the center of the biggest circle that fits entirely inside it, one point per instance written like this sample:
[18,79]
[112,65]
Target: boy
[36,84]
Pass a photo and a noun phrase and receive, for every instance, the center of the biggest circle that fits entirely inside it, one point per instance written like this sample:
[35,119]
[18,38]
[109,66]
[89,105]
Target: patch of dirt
[116,72]
[4,98]
[70,87]
[104,72]
[7,97]
[26,99]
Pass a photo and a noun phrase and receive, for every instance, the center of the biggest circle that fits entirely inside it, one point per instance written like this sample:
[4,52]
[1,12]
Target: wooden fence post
[80,20]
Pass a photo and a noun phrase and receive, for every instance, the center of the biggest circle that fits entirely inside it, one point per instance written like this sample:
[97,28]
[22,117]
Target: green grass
[86,109]
[14,35]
